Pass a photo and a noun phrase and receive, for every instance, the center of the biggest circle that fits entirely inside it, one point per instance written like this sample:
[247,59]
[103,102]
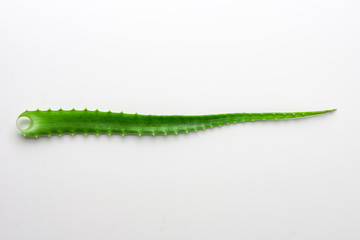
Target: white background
[266,180]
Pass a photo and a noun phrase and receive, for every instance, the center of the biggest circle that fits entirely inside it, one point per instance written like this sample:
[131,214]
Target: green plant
[85,121]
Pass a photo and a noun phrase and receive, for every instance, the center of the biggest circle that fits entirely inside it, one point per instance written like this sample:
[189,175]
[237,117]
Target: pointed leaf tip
[330,110]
